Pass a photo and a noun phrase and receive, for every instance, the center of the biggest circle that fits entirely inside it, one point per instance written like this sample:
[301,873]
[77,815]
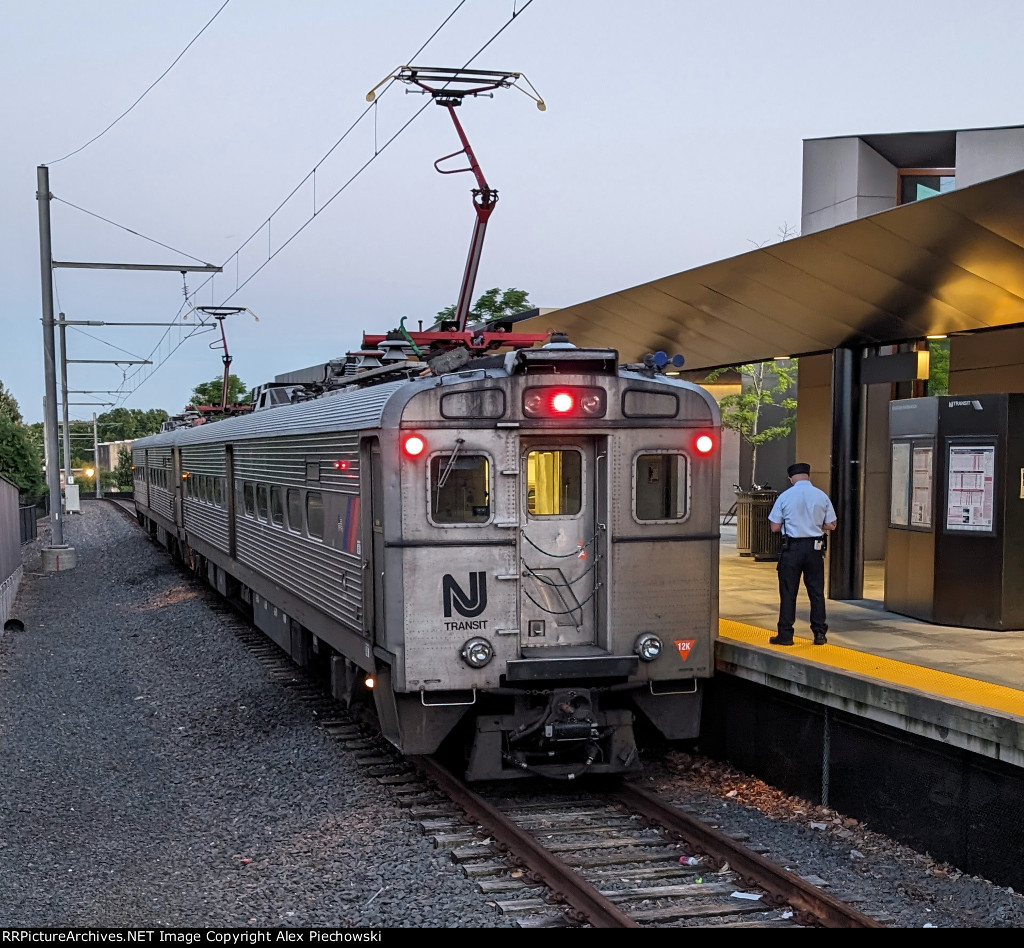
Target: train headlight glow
[648,647]
[565,401]
[477,652]
[704,443]
[562,402]
[414,446]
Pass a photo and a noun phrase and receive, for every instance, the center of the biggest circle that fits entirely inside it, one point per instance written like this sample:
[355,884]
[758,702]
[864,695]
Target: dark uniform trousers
[801,559]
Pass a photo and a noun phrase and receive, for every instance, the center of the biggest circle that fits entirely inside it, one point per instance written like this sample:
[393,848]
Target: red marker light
[341,465]
[414,446]
[562,402]
[704,444]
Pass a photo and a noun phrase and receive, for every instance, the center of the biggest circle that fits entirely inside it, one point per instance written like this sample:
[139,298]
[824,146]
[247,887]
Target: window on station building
[916,184]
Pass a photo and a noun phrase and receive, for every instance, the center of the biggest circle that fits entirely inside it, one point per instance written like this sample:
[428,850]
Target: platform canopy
[947,264]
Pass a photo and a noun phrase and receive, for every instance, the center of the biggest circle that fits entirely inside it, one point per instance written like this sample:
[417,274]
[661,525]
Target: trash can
[754,535]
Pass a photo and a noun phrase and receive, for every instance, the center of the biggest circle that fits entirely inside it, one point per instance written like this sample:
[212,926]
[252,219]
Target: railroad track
[620,857]
[605,855]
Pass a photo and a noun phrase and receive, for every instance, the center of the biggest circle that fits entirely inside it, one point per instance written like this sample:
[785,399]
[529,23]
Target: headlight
[648,647]
[477,652]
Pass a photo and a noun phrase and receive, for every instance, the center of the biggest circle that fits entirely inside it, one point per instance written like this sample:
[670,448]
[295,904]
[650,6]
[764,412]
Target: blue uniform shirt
[802,510]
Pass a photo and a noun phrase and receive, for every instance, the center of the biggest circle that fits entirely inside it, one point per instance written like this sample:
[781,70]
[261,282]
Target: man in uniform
[804,516]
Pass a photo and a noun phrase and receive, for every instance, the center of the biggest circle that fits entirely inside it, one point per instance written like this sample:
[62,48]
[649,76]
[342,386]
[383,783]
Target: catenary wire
[144,94]
[129,230]
[266,223]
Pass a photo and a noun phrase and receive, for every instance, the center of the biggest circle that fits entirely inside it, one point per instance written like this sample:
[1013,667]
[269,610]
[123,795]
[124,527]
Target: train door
[373,559]
[562,541]
[230,499]
[175,474]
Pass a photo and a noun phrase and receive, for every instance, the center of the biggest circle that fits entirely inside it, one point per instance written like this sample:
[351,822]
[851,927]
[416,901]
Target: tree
[938,367]
[127,424]
[9,407]
[762,384]
[494,304]
[123,470]
[209,393]
[20,462]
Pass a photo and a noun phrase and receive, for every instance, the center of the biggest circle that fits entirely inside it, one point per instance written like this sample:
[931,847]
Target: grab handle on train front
[445,704]
[659,694]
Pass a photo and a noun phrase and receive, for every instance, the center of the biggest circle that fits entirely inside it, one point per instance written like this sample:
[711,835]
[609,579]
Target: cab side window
[661,486]
[460,488]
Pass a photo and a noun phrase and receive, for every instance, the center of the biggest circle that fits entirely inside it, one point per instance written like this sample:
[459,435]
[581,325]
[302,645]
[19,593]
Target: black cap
[800,468]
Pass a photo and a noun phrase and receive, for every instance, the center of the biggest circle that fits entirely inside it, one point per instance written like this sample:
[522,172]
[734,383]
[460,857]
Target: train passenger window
[249,499]
[261,501]
[315,514]
[460,488]
[554,483]
[661,486]
[294,510]
[219,491]
[276,506]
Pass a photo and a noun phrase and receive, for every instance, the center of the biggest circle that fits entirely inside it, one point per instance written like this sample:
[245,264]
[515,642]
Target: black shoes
[819,639]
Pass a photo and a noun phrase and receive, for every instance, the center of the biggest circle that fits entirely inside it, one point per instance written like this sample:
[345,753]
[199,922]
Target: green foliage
[938,371]
[20,462]
[127,424]
[209,393]
[494,304]
[763,384]
[123,471]
[9,405]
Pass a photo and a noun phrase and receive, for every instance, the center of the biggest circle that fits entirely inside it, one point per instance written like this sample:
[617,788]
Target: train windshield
[459,488]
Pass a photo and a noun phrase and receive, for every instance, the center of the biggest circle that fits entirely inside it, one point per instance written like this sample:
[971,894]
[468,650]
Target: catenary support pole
[58,555]
[64,400]
[96,455]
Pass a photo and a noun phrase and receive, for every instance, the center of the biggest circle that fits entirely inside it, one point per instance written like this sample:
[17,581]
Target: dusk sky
[672,137]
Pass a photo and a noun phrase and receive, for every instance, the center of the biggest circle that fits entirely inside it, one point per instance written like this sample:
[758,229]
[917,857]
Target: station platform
[962,687]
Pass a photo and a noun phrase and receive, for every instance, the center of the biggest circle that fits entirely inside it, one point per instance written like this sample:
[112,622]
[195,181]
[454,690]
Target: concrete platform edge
[998,737]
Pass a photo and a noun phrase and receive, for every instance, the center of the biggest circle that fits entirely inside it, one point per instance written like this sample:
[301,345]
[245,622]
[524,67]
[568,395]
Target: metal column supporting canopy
[846,561]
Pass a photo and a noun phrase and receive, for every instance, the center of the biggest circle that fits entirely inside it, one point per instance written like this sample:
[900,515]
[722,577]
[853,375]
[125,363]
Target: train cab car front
[565,718]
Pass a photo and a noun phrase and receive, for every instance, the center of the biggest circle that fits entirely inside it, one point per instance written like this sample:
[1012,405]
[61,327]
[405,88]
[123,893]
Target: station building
[905,238]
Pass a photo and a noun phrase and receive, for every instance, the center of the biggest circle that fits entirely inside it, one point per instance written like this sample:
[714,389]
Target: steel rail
[773,878]
[578,894]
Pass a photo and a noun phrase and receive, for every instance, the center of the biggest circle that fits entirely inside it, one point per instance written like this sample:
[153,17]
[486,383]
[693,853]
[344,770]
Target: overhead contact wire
[144,94]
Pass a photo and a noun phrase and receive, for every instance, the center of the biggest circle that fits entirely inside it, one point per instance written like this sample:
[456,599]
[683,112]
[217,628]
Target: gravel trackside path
[153,774]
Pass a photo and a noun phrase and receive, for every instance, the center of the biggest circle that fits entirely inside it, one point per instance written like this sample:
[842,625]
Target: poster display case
[955,538]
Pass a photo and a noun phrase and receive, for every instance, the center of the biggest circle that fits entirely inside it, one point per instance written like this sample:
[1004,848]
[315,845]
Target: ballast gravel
[154,774]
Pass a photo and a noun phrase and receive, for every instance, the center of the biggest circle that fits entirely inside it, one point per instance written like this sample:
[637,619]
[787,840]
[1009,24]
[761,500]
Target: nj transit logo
[469,604]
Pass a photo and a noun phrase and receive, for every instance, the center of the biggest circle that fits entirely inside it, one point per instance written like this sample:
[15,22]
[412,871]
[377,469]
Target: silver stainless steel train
[520,554]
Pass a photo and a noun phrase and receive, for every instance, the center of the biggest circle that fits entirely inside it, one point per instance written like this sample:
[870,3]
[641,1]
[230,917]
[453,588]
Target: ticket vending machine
[955,542]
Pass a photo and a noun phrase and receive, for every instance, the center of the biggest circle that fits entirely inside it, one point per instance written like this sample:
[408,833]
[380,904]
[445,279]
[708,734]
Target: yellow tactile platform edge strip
[983,694]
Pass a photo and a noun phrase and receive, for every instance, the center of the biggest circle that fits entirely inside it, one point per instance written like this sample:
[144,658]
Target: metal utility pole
[58,550]
[64,399]
[96,455]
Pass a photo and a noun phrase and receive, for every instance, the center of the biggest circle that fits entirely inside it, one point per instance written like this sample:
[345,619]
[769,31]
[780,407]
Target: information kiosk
[955,542]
